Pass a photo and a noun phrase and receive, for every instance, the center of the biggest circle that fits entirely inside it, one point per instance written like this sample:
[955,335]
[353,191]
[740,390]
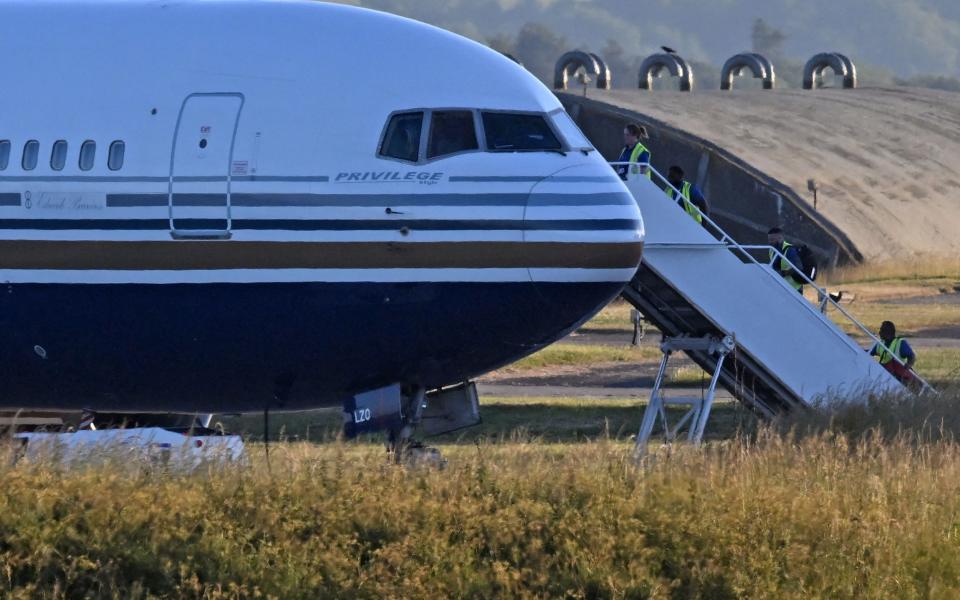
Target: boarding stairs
[785,353]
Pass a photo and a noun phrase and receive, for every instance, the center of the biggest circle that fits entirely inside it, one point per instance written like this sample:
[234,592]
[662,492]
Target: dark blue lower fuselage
[246,347]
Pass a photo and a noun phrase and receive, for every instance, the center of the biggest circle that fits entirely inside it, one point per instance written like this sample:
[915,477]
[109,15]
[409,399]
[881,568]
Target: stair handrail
[732,244]
[774,253]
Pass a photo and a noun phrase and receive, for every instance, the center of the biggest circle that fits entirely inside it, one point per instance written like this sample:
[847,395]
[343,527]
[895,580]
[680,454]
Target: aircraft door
[199,190]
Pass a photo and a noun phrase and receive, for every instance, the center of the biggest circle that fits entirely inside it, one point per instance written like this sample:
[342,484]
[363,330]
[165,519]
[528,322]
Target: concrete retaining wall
[744,201]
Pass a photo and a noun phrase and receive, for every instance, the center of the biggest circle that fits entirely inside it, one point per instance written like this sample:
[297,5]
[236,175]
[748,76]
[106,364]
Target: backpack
[809,260]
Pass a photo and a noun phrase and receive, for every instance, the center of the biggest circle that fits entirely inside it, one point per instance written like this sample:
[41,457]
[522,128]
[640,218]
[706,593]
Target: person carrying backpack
[691,199]
[792,253]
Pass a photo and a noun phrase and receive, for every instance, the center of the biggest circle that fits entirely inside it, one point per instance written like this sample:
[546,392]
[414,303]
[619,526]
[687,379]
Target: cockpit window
[402,139]
[510,132]
[569,130]
[451,131]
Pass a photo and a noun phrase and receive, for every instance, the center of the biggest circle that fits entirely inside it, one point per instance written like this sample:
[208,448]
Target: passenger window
[4,154]
[512,132]
[115,155]
[31,153]
[451,131]
[402,139]
[58,155]
[88,153]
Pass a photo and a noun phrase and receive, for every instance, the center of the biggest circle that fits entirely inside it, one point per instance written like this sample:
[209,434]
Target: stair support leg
[654,408]
[695,419]
[697,429]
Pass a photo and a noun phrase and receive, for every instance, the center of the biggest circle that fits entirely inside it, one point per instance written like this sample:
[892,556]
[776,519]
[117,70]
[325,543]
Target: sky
[905,37]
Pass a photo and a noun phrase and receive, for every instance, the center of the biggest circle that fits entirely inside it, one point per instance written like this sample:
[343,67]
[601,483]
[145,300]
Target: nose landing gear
[401,446]
[403,411]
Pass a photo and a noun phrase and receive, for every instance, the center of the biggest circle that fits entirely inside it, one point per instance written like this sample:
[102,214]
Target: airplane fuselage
[225,206]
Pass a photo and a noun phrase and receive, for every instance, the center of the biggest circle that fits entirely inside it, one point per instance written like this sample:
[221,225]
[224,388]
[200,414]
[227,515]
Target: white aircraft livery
[221,206]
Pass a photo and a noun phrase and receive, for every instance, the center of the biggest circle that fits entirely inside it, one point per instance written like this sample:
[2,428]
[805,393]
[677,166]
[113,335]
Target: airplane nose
[584,235]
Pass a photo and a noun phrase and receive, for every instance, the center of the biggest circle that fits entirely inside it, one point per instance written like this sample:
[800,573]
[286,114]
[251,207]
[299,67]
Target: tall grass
[903,268]
[926,418]
[826,512]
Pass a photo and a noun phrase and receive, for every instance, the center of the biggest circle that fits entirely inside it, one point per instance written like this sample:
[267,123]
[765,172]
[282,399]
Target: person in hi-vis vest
[789,251]
[634,151]
[691,198]
[899,347]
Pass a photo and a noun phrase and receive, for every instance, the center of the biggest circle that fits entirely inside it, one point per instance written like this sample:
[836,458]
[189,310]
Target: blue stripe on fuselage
[532,179]
[323,224]
[376,200]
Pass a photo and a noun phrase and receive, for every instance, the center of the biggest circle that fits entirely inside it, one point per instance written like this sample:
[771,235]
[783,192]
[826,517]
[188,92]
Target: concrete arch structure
[771,72]
[758,65]
[840,64]
[851,71]
[575,59]
[688,74]
[604,80]
[675,65]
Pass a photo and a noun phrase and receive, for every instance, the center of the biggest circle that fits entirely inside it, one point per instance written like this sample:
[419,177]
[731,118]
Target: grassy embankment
[843,513]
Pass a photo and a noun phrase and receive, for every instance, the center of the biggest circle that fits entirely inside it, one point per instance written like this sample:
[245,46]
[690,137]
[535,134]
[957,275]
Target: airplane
[243,206]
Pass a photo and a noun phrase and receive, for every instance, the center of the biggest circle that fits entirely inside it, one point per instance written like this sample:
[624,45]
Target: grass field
[940,365]
[909,269]
[566,354]
[910,318]
[836,513]
[547,419]
[615,317]
[545,499]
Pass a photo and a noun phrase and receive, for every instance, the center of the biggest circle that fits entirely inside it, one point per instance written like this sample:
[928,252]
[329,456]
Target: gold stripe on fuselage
[183,255]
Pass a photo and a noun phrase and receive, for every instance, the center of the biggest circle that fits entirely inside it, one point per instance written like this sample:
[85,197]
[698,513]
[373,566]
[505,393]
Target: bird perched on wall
[668,50]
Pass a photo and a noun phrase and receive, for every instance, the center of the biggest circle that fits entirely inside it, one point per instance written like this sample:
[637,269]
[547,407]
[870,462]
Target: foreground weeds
[920,419]
[778,516]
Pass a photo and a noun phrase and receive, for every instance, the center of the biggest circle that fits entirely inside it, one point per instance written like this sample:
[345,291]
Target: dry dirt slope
[887,159]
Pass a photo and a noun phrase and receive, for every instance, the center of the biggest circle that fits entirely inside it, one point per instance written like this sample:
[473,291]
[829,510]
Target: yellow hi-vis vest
[688,206]
[637,151]
[785,269]
[894,346]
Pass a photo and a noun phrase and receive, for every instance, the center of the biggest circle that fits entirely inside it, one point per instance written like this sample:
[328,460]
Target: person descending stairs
[691,198]
[634,152]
